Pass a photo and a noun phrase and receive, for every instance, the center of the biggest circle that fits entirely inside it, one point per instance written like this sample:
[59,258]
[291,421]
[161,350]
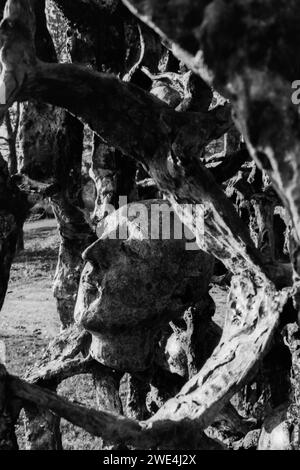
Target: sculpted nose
[90,254]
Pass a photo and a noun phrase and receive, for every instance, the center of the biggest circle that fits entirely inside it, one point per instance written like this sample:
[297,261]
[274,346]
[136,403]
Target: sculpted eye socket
[7,24]
[129,250]
[123,247]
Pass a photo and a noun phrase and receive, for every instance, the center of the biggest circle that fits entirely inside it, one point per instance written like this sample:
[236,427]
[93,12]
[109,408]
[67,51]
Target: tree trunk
[12,140]
[52,144]
[13,211]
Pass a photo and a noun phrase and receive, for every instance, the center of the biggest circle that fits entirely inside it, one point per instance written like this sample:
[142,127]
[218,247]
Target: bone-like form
[139,275]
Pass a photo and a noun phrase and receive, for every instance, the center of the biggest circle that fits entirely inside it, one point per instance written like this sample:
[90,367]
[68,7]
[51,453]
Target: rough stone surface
[131,287]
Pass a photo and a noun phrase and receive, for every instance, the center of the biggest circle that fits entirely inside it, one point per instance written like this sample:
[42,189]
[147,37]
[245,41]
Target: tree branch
[230,165]
[63,358]
[245,340]
[170,145]
[256,78]
[165,435]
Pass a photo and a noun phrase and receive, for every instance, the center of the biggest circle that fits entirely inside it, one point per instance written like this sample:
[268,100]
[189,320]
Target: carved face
[131,287]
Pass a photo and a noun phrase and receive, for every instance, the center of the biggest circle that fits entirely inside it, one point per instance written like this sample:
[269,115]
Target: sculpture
[134,286]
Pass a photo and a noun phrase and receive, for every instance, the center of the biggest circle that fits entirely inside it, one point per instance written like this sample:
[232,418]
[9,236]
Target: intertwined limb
[233,44]
[169,144]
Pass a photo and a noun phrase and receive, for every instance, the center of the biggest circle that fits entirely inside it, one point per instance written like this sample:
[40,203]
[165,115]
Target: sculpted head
[134,282]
